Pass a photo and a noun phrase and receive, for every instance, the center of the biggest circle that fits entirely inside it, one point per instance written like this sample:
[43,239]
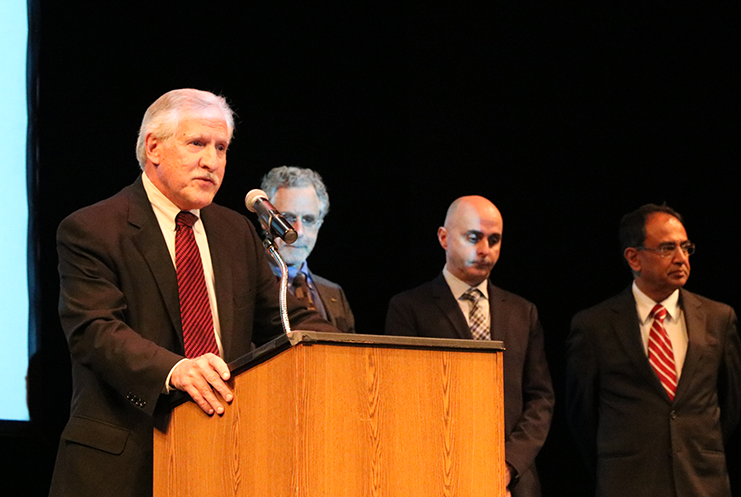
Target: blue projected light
[13,242]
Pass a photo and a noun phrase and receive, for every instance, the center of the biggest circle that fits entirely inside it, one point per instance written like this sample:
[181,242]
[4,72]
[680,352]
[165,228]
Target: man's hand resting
[202,378]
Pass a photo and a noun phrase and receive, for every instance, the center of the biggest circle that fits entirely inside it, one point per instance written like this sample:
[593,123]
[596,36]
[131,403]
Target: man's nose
[680,256]
[209,157]
[483,246]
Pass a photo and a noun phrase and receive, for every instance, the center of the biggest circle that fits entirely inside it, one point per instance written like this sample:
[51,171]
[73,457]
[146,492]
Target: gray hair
[163,116]
[292,177]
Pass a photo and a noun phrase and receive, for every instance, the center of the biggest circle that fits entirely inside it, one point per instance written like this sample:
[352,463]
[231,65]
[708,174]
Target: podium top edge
[316,337]
[298,337]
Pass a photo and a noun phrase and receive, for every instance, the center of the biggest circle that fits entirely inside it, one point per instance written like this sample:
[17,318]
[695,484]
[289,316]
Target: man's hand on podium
[202,378]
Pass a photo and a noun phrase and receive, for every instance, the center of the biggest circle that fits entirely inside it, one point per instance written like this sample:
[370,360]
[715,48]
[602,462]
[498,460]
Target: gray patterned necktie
[477,316]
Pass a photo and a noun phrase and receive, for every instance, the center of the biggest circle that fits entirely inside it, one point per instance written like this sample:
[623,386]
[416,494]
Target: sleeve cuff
[167,388]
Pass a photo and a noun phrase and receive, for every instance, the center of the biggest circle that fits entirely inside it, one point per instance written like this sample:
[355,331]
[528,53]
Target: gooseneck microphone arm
[274,224]
[282,296]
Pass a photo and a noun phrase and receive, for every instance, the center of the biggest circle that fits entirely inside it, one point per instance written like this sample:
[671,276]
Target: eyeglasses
[308,221]
[667,249]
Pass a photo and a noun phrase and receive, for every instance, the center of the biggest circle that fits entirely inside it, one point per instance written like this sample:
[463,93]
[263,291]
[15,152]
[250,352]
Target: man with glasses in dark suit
[301,196]
[654,374]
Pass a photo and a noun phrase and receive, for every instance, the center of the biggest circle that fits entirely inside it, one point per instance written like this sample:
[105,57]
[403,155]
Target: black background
[565,117]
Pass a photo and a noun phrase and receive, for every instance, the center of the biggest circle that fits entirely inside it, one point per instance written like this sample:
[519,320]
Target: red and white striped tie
[195,310]
[660,353]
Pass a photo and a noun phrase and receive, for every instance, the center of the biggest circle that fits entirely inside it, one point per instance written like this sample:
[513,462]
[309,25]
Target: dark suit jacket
[335,304]
[637,441]
[120,312]
[431,310]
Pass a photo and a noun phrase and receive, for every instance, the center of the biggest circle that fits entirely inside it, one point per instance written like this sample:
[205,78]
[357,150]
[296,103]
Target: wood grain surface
[338,420]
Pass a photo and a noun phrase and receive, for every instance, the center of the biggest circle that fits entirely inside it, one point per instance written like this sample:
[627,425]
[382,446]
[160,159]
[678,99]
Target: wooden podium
[334,415]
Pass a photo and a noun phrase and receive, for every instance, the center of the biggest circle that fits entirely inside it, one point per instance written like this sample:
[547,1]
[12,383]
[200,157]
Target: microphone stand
[268,243]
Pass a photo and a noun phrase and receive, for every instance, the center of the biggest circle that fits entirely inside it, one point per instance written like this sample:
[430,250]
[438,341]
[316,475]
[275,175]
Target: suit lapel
[628,331]
[219,247]
[153,248]
[447,304]
[496,310]
[329,296]
[694,318]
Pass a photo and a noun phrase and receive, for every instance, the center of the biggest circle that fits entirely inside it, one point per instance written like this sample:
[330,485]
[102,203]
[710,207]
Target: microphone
[272,220]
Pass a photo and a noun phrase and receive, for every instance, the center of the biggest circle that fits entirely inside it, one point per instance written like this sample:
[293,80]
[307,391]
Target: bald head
[472,205]
[472,238]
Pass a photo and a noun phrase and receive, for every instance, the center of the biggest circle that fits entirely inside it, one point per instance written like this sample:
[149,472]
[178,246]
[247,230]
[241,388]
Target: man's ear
[153,148]
[442,237]
[631,256]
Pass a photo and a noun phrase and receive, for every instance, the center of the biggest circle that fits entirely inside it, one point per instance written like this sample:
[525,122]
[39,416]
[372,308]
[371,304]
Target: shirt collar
[645,304]
[292,270]
[459,287]
[163,206]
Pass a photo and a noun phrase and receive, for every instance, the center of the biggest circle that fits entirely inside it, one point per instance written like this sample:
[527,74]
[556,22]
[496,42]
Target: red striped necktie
[660,353]
[195,310]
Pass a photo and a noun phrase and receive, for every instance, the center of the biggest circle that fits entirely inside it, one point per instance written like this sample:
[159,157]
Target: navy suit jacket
[431,310]
[635,440]
[120,313]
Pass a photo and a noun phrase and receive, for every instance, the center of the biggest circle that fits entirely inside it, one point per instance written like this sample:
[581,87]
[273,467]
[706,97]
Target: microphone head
[252,197]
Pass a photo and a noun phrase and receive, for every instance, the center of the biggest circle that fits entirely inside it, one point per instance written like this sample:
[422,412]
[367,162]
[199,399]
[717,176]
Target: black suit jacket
[335,304]
[431,310]
[637,441]
[120,313]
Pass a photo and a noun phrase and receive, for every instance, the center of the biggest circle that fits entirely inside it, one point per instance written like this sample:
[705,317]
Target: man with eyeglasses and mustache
[654,374]
[300,195]
[462,303]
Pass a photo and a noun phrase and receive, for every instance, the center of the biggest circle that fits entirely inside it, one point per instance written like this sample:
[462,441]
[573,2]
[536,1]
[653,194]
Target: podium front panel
[346,419]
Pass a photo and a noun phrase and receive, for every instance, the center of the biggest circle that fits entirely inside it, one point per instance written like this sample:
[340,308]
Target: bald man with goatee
[462,303]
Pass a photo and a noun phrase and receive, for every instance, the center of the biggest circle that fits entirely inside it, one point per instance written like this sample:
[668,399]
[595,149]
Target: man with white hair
[159,289]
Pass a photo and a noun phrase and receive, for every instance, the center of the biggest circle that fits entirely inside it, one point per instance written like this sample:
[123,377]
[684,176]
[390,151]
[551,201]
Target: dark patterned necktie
[195,310]
[477,316]
[660,353]
[302,292]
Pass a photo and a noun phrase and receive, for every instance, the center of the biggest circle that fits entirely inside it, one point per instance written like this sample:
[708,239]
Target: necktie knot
[472,294]
[659,313]
[299,279]
[185,219]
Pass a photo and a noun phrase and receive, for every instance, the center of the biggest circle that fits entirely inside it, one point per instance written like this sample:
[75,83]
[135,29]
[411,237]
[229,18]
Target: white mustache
[209,177]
